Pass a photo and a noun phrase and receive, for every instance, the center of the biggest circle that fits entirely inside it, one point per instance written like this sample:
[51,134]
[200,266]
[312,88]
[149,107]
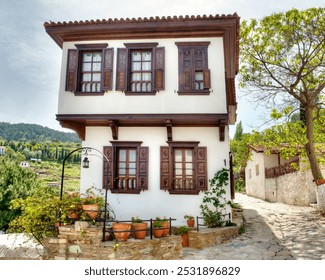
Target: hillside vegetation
[34,132]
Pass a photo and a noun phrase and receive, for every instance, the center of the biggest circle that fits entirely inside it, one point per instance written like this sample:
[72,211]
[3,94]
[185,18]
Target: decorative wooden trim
[140,45]
[222,130]
[91,46]
[114,128]
[169,130]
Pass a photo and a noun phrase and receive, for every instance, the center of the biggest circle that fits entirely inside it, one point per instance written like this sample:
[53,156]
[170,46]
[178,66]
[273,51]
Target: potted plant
[165,224]
[92,203]
[183,232]
[157,229]
[189,220]
[121,231]
[71,206]
[139,228]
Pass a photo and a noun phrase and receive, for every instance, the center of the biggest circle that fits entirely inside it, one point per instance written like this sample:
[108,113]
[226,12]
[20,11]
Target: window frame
[187,74]
[74,68]
[111,172]
[167,166]
[124,60]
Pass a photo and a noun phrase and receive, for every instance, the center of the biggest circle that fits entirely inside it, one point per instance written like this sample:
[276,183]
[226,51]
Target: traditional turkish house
[156,96]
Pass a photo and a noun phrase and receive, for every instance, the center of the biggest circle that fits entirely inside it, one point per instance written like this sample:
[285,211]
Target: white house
[270,177]
[156,96]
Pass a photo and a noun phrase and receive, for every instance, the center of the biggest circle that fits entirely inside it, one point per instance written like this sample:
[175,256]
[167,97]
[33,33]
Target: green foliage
[39,214]
[214,198]
[189,217]
[15,183]
[239,131]
[34,132]
[182,230]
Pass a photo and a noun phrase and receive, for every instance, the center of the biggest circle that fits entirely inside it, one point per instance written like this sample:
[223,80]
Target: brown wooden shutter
[121,72]
[107,72]
[201,169]
[206,79]
[160,68]
[165,168]
[108,180]
[142,180]
[72,70]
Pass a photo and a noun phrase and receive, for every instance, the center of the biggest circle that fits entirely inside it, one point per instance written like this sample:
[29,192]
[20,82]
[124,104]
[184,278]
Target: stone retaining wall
[77,243]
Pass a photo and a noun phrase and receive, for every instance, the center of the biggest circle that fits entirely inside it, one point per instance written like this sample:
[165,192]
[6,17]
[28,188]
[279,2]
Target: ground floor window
[183,168]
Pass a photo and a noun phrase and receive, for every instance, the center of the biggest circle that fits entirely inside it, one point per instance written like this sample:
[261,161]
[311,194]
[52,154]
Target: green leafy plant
[157,224]
[182,230]
[189,217]
[214,198]
[92,196]
[136,220]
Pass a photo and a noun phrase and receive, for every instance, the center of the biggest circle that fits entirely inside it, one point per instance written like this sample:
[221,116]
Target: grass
[49,173]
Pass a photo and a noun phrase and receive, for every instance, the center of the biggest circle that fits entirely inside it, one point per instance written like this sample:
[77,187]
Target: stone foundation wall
[206,237]
[79,243]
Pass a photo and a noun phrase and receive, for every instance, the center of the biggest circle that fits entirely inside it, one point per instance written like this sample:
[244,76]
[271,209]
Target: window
[140,68]
[183,168]
[193,72]
[89,69]
[257,169]
[127,169]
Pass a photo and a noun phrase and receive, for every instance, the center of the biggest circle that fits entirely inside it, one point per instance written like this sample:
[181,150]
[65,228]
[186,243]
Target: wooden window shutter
[142,180]
[206,79]
[72,70]
[160,68]
[107,72]
[165,168]
[201,169]
[108,180]
[121,73]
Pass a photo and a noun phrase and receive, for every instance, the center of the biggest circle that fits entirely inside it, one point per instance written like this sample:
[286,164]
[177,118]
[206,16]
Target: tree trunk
[310,146]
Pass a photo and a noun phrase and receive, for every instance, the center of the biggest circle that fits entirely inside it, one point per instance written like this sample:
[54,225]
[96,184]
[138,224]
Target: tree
[283,62]
[239,131]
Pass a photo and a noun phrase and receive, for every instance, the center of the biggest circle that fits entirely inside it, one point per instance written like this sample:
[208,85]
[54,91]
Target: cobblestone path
[274,231]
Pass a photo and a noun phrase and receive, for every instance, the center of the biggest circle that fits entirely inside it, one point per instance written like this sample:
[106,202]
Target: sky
[31,61]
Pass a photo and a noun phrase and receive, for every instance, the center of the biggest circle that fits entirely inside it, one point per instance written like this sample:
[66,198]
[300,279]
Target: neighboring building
[24,164]
[2,150]
[156,96]
[274,179]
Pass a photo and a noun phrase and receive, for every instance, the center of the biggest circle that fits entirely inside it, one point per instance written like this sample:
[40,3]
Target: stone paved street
[274,231]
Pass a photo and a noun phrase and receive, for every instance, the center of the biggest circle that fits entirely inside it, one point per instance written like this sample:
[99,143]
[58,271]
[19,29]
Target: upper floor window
[183,168]
[140,68]
[193,71]
[89,69]
[127,169]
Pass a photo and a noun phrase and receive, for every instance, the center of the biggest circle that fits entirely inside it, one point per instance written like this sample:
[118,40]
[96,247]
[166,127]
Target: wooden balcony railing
[282,169]
[126,183]
[184,184]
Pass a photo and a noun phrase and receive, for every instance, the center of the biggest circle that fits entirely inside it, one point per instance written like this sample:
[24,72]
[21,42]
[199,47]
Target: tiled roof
[141,20]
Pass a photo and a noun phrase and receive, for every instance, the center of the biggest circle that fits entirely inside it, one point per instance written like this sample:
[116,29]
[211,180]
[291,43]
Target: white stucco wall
[164,102]
[154,202]
[255,184]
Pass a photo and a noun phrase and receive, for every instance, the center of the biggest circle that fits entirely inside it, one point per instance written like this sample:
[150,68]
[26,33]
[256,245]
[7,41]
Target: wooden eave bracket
[222,127]
[114,127]
[169,130]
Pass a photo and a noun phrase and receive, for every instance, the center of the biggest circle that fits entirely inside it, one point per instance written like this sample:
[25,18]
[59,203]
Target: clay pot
[92,210]
[121,231]
[185,240]
[165,225]
[140,230]
[320,182]
[73,215]
[190,223]
[157,232]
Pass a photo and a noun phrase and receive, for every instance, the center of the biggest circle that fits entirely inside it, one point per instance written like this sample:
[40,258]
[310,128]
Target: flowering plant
[91,198]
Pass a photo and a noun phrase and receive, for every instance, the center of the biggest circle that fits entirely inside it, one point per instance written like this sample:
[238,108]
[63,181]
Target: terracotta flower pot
[157,232]
[185,240]
[73,215]
[92,210]
[320,182]
[140,230]
[165,225]
[190,223]
[121,231]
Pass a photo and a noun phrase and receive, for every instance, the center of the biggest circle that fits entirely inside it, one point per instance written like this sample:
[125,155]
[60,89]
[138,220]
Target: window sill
[189,92]
[80,93]
[125,191]
[187,192]
[139,93]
